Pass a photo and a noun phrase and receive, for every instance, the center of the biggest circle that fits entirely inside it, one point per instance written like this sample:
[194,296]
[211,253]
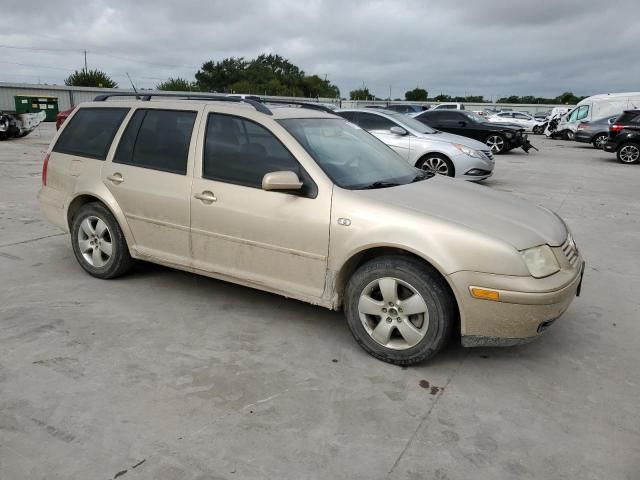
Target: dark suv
[499,137]
[624,137]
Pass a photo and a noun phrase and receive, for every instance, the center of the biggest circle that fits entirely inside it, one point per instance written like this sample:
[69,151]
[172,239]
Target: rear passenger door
[273,239]
[148,178]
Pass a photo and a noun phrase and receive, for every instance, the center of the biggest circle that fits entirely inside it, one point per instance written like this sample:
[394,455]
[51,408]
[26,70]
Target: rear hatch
[625,119]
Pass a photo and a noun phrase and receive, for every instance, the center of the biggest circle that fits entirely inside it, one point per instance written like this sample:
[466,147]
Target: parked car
[407,108]
[595,132]
[424,147]
[499,138]
[522,119]
[61,117]
[300,202]
[541,116]
[448,106]
[624,137]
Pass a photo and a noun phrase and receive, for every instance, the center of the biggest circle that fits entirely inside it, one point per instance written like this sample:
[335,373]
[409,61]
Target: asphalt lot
[166,375]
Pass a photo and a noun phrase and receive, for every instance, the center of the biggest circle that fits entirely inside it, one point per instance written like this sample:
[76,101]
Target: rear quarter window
[90,132]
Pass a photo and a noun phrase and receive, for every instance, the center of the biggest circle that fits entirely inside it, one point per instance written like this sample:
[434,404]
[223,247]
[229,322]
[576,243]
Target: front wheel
[629,153]
[399,310]
[497,143]
[600,140]
[537,130]
[437,163]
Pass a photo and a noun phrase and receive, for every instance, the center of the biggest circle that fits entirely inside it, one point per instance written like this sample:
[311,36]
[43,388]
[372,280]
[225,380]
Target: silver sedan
[425,147]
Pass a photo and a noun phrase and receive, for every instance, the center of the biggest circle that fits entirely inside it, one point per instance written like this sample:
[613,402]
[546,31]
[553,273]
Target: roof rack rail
[311,105]
[145,97]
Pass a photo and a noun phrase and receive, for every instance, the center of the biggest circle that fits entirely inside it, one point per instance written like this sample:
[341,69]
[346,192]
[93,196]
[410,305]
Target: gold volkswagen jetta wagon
[297,201]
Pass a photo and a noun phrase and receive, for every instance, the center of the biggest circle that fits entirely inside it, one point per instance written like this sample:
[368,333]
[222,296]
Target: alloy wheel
[600,140]
[94,241]
[629,154]
[496,143]
[393,313]
[435,165]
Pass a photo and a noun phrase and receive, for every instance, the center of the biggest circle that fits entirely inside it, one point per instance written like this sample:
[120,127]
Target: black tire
[537,130]
[422,163]
[568,135]
[120,260]
[628,153]
[426,281]
[498,143]
[599,140]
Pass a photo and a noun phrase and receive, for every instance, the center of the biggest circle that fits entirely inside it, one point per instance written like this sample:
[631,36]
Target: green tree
[360,94]
[443,98]
[90,78]
[177,85]
[416,95]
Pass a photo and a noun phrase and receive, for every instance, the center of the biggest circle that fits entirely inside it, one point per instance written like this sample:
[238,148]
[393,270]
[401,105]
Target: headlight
[540,261]
[468,151]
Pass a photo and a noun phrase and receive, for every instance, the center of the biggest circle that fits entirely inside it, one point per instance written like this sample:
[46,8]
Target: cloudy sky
[480,47]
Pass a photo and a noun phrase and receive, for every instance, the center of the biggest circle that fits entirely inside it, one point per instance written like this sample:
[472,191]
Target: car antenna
[134,87]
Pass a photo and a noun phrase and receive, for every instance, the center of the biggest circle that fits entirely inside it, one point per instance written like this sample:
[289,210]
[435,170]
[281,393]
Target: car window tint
[521,116]
[370,121]
[449,116]
[90,132]
[351,116]
[157,139]
[242,152]
[582,112]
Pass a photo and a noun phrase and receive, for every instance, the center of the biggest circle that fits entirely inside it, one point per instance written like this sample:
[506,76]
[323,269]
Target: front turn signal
[485,294]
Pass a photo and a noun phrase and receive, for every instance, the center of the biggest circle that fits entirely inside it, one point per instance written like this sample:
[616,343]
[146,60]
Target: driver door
[272,240]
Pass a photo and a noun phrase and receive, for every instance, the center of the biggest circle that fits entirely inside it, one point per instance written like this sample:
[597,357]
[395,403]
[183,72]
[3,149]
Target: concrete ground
[165,375]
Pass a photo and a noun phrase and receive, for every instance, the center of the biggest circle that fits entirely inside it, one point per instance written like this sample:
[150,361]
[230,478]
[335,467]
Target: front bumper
[527,306]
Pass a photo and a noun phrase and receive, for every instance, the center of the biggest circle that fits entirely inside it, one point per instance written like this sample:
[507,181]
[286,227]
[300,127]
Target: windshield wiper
[422,176]
[379,184]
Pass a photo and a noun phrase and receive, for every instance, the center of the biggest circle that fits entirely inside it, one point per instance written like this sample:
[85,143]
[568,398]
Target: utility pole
[85,61]
[390,92]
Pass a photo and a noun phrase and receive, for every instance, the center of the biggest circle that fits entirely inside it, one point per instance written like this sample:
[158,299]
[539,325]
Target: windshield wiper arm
[380,184]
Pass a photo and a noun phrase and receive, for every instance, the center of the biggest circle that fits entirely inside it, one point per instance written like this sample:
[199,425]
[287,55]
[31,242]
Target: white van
[598,106]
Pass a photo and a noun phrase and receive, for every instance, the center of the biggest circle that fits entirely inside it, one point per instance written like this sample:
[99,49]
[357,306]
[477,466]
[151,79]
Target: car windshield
[350,156]
[410,122]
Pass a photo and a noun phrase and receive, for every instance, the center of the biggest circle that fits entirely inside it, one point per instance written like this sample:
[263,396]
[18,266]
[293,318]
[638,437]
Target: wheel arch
[435,152]
[362,256]
[82,198]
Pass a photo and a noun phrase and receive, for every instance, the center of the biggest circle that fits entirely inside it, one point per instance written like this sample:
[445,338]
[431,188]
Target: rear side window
[90,132]
[240,151]
[157,139]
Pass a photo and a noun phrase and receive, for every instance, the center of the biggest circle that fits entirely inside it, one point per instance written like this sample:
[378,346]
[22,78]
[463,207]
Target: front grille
[570,250]
[488,154]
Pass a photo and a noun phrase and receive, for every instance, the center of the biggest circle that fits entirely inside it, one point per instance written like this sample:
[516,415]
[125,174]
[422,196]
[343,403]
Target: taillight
[45,166]
[616,127]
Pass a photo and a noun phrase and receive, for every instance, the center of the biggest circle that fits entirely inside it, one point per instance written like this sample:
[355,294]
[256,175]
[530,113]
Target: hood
[451,138]
[497,214]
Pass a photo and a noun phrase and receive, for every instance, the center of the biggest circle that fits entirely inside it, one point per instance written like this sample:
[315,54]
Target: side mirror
[398,130]
[462,123]
[285,180]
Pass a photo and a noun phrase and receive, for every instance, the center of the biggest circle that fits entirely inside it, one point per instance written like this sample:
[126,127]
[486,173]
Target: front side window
[351,157]
[157,139]
[370,121]
[90,132]
[242,152]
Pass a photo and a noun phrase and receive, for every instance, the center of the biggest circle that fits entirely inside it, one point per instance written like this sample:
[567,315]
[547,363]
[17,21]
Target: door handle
[206,197]
[116,178]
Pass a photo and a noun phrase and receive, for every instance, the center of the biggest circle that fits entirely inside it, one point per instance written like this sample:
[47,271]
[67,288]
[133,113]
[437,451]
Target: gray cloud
[488,47]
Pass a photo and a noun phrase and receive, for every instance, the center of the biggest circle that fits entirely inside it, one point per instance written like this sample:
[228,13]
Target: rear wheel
[437,163]
[399,310]
[568,135]
[537,130]
[599,140]
[98,242]
[497,143]
[629,152]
